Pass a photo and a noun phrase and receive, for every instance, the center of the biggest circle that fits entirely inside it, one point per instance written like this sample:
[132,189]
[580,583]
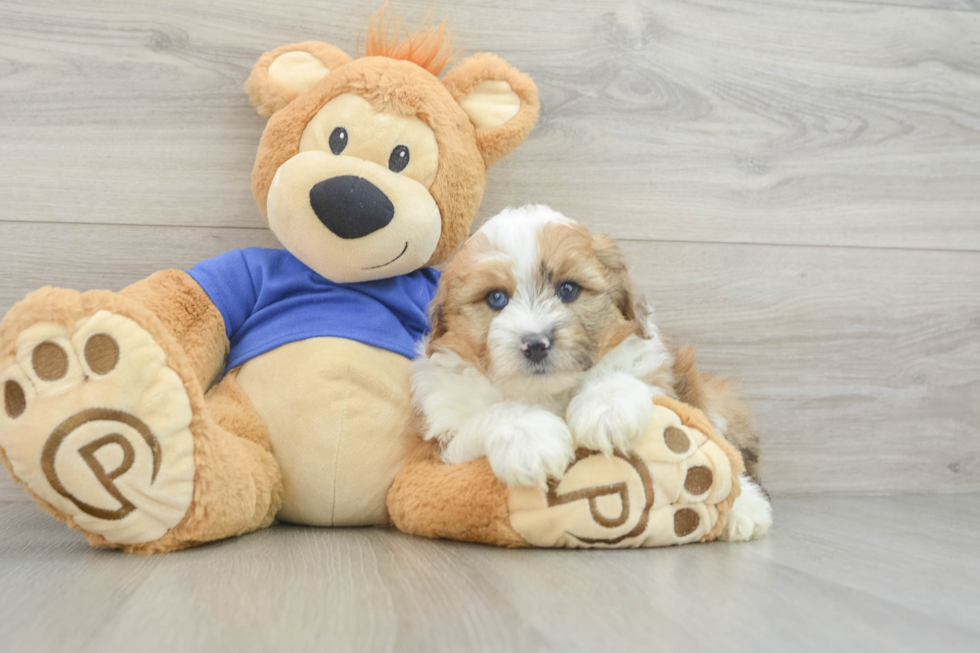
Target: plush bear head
[372,167]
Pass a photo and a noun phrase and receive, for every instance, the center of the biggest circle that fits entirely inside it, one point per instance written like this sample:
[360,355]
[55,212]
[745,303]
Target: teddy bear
[270,384]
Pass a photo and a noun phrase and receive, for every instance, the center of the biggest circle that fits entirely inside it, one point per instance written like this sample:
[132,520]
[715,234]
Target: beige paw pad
[97,424]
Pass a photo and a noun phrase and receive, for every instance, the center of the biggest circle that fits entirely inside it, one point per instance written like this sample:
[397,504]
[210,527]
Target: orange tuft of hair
[430,47]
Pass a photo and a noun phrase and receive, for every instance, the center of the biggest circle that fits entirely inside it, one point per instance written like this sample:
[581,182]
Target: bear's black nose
[351,207]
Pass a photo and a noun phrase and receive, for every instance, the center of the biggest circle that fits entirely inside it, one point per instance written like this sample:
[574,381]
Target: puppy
[540,344]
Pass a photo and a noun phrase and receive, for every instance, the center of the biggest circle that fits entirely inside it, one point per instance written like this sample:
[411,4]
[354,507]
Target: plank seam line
[628,239]
[885,3]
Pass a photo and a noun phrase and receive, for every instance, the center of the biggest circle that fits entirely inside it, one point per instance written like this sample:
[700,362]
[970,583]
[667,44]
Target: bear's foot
[94,421]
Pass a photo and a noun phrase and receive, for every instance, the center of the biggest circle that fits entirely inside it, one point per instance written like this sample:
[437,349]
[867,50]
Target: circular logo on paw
[88,453]
[617,510]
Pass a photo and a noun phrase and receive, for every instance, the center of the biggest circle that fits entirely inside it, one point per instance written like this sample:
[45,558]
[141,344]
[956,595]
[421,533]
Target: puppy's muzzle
[535,347]
[351,207]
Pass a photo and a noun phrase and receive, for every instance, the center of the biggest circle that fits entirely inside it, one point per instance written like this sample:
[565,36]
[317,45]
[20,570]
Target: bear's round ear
[501,102]
[280,76]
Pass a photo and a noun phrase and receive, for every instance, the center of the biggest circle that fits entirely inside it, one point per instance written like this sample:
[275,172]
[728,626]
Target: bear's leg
[105,421]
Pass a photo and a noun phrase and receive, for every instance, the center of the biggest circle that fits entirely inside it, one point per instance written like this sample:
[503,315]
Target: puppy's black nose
[535,347]
[351,207]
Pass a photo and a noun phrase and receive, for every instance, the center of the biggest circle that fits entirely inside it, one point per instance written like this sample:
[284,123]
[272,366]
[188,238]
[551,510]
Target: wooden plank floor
[837,574]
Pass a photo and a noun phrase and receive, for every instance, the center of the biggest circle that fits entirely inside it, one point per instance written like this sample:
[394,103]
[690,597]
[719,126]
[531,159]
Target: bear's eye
[568,291]
[398,159]
[338,140]
[497,299]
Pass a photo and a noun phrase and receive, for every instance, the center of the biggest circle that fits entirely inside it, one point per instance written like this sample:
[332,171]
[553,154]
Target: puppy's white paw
[529,448]
[608,414]
[751,515]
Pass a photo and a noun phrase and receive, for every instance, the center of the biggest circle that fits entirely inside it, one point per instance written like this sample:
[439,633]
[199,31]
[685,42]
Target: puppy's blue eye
[497,299]
[568,291]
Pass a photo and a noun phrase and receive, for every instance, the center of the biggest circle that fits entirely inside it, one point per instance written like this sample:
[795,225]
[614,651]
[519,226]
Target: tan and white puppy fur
[540,344]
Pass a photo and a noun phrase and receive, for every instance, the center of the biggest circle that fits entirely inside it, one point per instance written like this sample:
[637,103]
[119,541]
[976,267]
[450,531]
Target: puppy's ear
[608,253]
[629,301]
[501,102]
[280,76]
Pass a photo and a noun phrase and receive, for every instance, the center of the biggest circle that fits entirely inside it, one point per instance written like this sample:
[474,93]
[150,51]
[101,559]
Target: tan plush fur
[237,485]
[267,94]
[188,314]
[233,411]
[463,502]
[496,143]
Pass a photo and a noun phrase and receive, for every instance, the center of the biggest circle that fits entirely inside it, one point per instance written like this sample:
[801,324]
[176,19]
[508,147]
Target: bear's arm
[190,316]
[203,308]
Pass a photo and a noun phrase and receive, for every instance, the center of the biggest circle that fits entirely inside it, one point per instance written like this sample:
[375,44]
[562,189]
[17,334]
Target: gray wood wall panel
[725,120]
[949,5]
[798,184]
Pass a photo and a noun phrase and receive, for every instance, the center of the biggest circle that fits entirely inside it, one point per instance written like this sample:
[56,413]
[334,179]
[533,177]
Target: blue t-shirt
[269,298]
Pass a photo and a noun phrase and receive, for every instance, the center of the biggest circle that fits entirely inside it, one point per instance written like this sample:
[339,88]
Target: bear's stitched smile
[375,267]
